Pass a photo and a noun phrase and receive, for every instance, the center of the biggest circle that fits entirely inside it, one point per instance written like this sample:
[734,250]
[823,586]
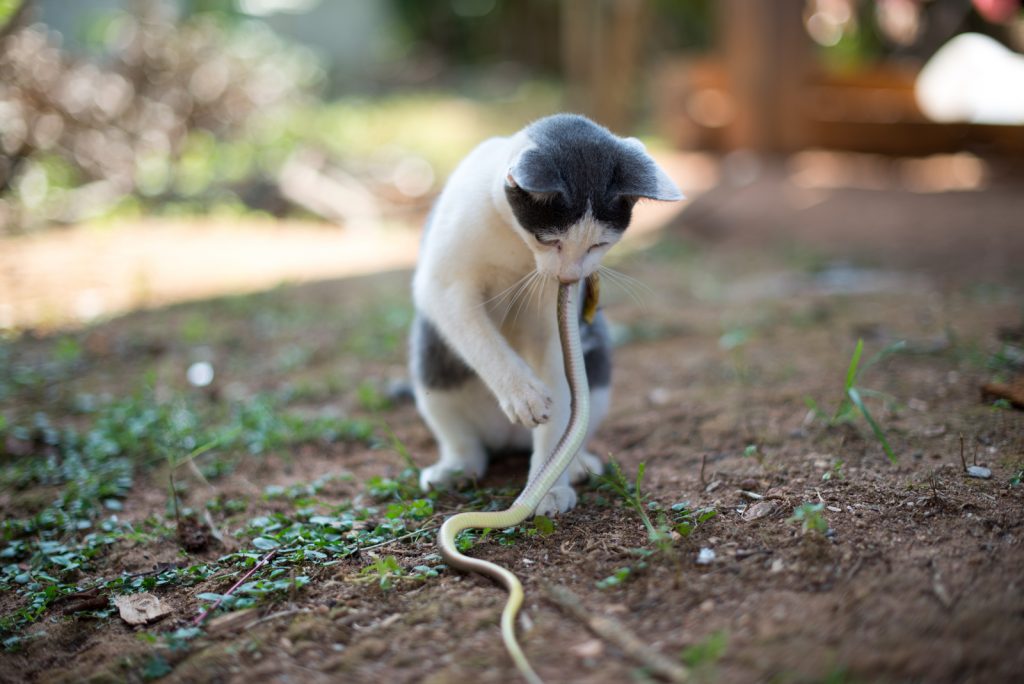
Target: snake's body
[531,496]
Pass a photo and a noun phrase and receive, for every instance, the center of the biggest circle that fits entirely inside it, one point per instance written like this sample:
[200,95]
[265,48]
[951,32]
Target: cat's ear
[534,173]
[642,177]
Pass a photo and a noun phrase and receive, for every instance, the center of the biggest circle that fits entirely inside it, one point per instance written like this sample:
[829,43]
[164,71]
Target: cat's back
[480,166]
[472,190]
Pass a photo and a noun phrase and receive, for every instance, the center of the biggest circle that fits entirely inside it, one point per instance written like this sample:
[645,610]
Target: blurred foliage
[7,10]
[854,34]
[199,111]
[682,25]
[483,32]
[82,136]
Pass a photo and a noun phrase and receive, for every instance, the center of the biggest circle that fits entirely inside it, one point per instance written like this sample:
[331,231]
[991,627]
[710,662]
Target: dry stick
[618,634]
[202,616]
[421,530]
[703,460]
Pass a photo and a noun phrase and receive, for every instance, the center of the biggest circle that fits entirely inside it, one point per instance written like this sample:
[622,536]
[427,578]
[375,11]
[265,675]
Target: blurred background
[159,150]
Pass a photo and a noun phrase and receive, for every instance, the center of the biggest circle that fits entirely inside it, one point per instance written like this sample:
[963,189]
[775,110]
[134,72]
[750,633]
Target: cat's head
[572,191]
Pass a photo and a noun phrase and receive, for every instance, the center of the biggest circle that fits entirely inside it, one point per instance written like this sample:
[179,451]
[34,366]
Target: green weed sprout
[810,518]
[852,401]
[633,496]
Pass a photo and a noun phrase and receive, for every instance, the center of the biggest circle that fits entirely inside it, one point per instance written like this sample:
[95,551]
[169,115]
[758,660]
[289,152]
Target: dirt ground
[752,303]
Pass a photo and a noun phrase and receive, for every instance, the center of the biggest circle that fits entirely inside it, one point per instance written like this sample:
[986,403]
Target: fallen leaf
[140,609]
[1012,392]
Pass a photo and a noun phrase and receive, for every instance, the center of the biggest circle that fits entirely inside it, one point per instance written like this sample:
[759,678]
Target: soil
[748,309]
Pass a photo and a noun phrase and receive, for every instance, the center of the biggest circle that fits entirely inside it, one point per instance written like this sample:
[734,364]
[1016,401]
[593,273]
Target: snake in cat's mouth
[568,314]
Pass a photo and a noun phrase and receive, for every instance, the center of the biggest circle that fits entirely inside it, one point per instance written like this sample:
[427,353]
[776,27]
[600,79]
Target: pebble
[979,471]
[592,648]
[706,556]
[659,396]
[759,510]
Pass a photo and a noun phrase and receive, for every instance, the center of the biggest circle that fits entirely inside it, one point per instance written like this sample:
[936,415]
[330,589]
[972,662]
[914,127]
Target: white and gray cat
[517,216]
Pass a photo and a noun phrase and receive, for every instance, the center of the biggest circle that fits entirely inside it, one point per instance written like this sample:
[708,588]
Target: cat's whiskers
[522,293]
[497,299]
[540,291]
[630,285]
[527,300]
[508,297]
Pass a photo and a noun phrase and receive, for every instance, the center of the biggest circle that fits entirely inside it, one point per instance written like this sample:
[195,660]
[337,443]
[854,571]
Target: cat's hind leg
[461,450]
[458,408]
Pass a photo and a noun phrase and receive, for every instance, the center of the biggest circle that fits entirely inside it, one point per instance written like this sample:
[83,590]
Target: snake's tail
[508,632]
[474,521]
[531,496]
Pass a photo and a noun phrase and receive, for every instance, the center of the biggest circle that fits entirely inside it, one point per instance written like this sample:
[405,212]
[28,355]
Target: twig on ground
[618,634]
[202,616]
[274,616]
[93,599]
[398,539]
[703,460]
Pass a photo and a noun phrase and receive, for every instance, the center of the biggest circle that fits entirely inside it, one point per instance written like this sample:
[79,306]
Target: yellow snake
[527,502]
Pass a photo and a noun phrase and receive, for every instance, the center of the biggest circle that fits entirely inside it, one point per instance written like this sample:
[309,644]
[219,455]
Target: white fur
[475,250]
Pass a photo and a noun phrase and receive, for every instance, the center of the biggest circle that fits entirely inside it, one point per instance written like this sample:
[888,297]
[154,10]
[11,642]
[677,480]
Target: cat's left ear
[643,177]
[534,173]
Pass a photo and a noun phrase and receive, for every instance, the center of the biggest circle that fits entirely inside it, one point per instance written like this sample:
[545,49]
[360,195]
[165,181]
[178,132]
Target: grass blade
[859,403]
[851,372]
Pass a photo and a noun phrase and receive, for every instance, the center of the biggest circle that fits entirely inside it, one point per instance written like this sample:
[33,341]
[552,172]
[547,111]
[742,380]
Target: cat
[517,216]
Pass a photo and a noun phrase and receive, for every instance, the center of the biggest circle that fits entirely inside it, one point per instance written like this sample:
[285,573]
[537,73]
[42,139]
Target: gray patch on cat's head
[572,165]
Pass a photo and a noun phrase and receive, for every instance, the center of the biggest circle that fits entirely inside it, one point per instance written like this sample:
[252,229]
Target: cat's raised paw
[528,403]
[559,499]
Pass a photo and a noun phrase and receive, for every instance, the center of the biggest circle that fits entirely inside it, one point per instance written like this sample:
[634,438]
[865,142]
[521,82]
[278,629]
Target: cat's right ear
[533,172]
[642,177]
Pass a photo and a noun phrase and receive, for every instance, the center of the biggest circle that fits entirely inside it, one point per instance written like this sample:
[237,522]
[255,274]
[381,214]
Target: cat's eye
[549,242]
[599,245]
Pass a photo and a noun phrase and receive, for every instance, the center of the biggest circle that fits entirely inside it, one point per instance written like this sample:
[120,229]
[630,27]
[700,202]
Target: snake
[526,503]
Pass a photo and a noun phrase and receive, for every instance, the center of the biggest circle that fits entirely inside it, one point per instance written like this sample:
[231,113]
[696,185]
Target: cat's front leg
[523,398]
[463,322]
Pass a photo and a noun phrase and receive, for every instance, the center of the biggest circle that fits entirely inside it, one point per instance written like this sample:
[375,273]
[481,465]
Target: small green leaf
[544,525]
[209,596]
[265,543]
[708,652]
[155,668]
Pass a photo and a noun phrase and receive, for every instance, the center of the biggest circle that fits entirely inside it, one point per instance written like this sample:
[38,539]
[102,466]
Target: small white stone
[200,374]
[659,396]
[979,471]
[592,648]
[706,556]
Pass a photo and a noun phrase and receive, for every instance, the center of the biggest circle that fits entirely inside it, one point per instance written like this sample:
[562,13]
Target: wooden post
[601,46]
[767,56]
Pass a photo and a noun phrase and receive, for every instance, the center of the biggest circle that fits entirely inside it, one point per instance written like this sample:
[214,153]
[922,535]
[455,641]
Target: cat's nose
[568,280]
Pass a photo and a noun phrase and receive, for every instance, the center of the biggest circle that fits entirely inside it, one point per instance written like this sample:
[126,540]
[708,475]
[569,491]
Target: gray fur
[597,351]
[434,363]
